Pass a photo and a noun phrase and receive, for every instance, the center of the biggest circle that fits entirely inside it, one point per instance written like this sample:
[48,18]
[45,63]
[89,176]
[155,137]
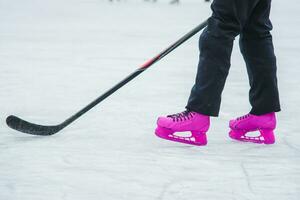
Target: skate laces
[185,115]
[243,117]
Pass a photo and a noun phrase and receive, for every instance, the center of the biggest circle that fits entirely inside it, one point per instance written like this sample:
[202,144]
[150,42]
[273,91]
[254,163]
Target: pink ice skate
[265,124]
[193,122]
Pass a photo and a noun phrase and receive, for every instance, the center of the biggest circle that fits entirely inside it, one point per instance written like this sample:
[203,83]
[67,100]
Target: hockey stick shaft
[137,72]
[35,129]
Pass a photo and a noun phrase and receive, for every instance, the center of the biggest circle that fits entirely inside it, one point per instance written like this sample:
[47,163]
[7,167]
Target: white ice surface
[56,56]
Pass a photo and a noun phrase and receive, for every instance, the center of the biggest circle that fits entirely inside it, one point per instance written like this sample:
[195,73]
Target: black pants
[250,20]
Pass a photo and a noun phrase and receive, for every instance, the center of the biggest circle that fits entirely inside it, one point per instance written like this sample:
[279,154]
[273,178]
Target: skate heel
[199,137]
[268,135]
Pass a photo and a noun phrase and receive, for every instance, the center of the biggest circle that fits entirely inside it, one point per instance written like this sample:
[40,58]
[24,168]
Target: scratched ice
[57,56]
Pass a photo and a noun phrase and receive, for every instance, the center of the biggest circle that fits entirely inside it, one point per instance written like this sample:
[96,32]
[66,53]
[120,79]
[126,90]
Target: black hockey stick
[35,129]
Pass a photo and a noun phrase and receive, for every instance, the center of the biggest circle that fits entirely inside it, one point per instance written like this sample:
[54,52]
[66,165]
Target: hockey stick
[35,129]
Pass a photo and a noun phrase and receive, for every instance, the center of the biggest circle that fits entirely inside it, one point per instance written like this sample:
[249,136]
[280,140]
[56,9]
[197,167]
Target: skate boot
[195,123]
[265,124]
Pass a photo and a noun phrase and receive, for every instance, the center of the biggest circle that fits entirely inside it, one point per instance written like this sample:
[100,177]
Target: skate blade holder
[256,136]
[186,135]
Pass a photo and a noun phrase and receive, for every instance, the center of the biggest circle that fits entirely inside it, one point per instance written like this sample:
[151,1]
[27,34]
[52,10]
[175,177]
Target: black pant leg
[215,46]
[214,63]
[257,48]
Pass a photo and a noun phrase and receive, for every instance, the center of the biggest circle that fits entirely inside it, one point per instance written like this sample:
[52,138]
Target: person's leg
[257,48]
[216,43]
[215,46]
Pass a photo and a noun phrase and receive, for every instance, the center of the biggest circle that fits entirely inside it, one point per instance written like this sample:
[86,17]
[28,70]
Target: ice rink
[56,56]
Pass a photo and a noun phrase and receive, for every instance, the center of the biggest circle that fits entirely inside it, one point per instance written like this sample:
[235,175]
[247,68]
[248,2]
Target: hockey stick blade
[30,128]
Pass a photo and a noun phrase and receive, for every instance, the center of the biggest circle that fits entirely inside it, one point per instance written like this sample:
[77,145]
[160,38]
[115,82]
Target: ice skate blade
[266,137]
[197,138]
